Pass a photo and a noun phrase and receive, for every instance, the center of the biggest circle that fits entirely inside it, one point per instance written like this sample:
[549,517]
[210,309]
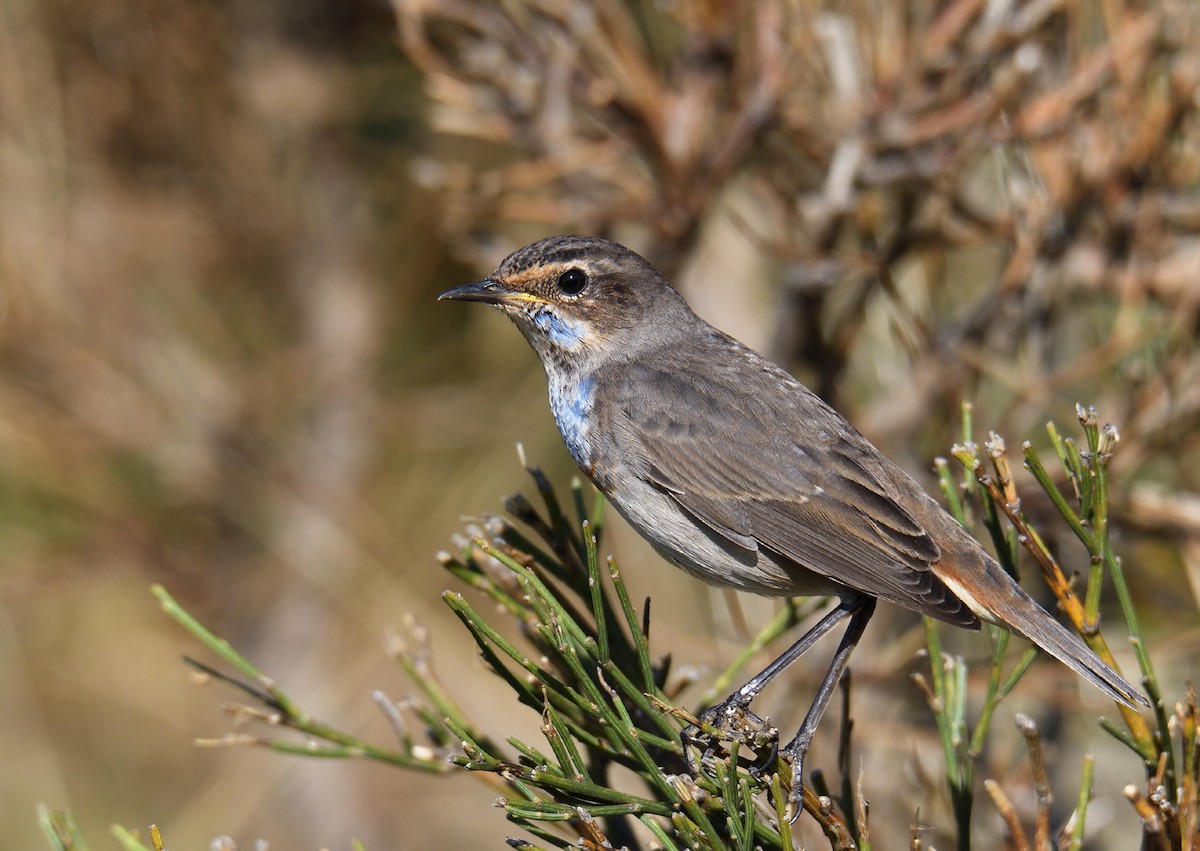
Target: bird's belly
[690,545]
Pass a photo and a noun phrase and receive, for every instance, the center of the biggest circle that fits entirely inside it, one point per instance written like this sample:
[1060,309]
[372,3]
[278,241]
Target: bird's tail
[1023,615]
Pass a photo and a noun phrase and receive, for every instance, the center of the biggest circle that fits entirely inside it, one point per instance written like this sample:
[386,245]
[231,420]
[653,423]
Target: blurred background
[223,227]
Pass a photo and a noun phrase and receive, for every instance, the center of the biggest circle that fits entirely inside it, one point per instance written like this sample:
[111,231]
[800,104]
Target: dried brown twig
[1054,142]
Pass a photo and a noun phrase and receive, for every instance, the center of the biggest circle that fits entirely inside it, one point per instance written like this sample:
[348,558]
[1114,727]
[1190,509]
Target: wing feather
[767,464]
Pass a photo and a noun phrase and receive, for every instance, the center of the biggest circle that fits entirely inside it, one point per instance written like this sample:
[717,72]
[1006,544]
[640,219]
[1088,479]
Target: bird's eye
[572,281]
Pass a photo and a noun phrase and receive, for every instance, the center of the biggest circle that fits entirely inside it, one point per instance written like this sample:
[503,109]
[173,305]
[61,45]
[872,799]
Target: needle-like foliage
[555,621]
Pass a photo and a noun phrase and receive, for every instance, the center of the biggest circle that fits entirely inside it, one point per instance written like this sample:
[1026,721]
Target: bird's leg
[860,612]
[730,715]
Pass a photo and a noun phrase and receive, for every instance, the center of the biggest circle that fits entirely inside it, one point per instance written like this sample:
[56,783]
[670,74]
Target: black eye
[572,281]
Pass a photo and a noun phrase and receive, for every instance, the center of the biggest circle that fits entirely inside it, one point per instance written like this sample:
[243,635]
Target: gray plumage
[731,468]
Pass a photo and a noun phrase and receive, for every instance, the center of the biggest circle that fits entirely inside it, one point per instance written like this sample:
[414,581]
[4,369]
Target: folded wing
[771,466]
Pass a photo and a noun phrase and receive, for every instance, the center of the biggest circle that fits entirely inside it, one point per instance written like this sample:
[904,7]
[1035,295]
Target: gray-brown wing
[764,463]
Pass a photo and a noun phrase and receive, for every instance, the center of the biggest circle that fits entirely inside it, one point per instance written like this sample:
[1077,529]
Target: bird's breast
[571,401]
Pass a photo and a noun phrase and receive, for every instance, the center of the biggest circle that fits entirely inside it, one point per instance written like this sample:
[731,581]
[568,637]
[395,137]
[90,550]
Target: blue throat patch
[571,403]
[561,332]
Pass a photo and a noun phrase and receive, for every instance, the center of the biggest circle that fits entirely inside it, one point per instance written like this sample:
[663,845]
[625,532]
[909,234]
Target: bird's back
[741,448]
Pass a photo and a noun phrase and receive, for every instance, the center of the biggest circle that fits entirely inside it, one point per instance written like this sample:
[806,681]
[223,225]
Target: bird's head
[576,299]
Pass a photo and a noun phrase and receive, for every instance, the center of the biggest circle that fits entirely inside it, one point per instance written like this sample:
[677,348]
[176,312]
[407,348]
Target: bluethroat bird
[740,475]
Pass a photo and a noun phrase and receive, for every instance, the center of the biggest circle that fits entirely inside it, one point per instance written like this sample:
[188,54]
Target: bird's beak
[486,291]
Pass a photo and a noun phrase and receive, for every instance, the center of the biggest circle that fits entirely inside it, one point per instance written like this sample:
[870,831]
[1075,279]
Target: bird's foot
[730,721]
[794,752]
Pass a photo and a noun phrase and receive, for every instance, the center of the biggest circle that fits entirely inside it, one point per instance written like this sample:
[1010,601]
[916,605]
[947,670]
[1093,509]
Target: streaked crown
[576,297]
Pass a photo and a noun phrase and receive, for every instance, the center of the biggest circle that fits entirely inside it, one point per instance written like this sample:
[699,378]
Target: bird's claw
[795,753]
[732,721]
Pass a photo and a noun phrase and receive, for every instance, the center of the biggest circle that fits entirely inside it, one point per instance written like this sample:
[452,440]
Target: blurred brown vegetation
[221,367]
